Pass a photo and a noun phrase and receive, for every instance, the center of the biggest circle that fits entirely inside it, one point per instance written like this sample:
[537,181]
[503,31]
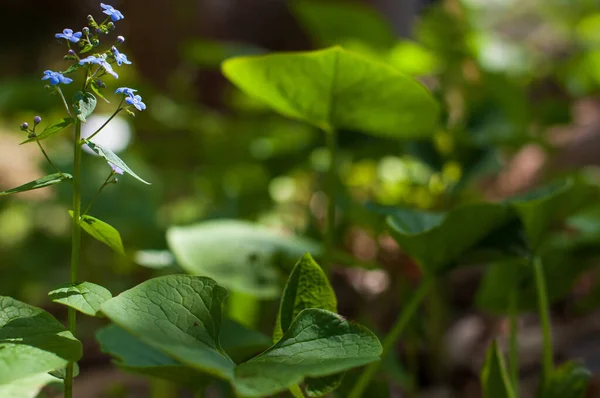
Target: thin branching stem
[106,182]
[544,312]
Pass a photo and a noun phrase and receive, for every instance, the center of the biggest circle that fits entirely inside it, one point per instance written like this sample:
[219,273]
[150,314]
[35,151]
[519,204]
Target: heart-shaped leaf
[43,182]
[32,342]
[240,255]
[318,343]
[337,89]
[113,159]
[51,130]
[28,387]
[85,297]
[436,240]
[179,315]
[102,232]
[570,380]
[494,376]
[85,104]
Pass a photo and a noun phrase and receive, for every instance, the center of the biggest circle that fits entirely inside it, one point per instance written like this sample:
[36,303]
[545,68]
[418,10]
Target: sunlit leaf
[51,130]
[85,297]
[43,182]
[85,104]
[102,232]
[113,159]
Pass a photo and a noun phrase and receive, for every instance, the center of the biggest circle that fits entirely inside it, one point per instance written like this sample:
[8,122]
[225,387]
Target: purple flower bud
[120,40]
[24,126]
[98,30]
[37,120]
[71,52]
[31,135]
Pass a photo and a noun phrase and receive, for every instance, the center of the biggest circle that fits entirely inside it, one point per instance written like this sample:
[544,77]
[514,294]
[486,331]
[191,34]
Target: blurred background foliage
[518,82]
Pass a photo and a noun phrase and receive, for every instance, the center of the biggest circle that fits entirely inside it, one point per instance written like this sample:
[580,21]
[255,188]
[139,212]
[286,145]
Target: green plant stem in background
[331,183]
[544,312]
[76,244]
[513,340]
[163,389]
[390,339]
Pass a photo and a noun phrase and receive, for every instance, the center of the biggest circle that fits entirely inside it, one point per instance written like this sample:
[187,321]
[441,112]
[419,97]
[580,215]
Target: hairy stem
[544,312]
[390,340]
[513,339]
[76,244]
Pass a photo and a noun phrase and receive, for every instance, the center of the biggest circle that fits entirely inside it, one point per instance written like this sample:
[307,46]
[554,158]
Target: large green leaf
[318,343]
[436,240]
[85,104]
[51,130]
[32,341]
[570,380]
[239,255]
[113,159]
[179,315]
[28,387]
[494,376]
[85,297]
[337,89]
[43,182]
[102,232]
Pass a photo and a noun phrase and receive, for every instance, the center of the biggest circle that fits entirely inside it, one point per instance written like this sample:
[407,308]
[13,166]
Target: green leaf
[72,68]
[179,315]
[240,255]
[436,240]
[51,130]
[85,297]
[570,380]
[28,387]
[32,341]
[337,89]
[102,232]
[86,48]
[96,90]
[494,377]
[113,159]
[137,357]
[84,105]
[318,387]
[334,22]
[318,343]
[43,182]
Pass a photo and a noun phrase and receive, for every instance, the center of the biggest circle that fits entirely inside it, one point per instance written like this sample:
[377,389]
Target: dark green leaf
[84,105]
[102,232]
[318,343]
[43,182]
[570,380]
[32,342]
[436,240]
[240,342]
[320,386]
[240,255]
[494,377]
[337,89]
[51,130]
[85,297]
[113,159]
[179,315]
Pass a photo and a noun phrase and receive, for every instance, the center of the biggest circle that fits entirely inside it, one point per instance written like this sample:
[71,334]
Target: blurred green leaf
[43,182]
[113,159]
[320,386]
[494,377]
[51,130]
[84,105]
[102,232]
[337,89]
[239,341]
[570,380]
[240,255]
[318,343]
[85,297]
[209,53]
[32,342]
[27,387]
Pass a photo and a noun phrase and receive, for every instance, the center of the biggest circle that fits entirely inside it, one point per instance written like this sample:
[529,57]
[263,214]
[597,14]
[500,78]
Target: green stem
[106,182]
[48,157]
[331,137]
[544,310]
[119,109]
[513,340]
[76,244]
[390,340]
[64,100]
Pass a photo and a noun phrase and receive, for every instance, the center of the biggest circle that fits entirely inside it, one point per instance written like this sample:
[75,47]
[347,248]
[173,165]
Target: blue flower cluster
[131,98]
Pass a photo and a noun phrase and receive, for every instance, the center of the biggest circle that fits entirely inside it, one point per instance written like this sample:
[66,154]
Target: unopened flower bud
[120,40]
[37,120]
[85,30]
[31,135]
[100,84]
[24,126]
[95,42]
[115,180]
[71,52]
[110,26]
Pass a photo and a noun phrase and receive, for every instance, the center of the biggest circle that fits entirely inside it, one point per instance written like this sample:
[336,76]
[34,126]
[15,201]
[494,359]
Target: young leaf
[85,103]
[102,232]
[32,341]
[43,182]
[570,380]
[318,343]
[494,376]
[137,357]
[179,315]
[240,255]
[85,297]
[436,240]
[28,387]
[337,89]
[113,159]
[51,130]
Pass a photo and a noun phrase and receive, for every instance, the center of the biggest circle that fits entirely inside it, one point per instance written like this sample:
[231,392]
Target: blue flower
[90,60]
[101,60]
[136,101]
[120,57]
[111,12]
[56,78]
[68,34]
[126,90]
